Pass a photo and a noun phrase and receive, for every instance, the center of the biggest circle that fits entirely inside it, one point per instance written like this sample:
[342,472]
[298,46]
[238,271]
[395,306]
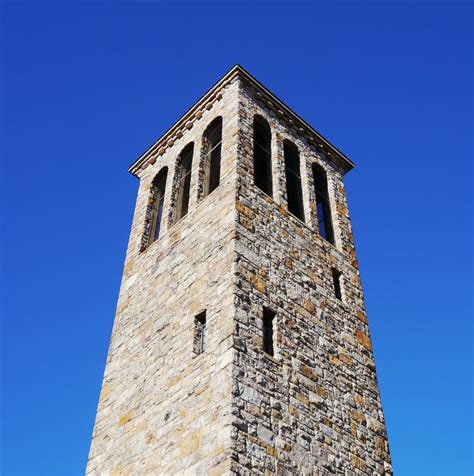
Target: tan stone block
[190,444]
[302,398]
[117,471]
[125,418]
[358,416]
[142,425]
[307,372]
[357,462]
[271,451]
[254,410]
[288,263]
[287,447]
[363,339]
[346,360]
[292,410]
[315,278]
[380,443]
[294,254]
[342,210]
[283,211]
[246,223]
[321,391]
[150,437]
[309,306]
[174,380]
[153,460]
[129,265]
[258,284]
[106,390]
[244,210]
[359,399]
[361,316]
[123,305]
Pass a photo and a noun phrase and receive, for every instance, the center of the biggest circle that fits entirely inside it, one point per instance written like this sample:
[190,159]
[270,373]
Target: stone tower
[240,343]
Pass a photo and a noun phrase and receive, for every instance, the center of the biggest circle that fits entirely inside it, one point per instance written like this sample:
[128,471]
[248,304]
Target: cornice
[185,123]
[214,94]
[295,122]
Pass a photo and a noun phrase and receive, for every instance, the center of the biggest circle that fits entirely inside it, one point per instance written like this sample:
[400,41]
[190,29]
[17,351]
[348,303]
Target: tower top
[215,94]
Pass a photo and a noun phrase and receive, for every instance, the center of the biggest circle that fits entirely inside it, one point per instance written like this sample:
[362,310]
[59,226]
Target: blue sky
[86,87]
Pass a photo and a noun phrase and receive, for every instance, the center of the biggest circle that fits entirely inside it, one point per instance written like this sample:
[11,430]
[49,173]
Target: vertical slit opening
[268,331]
[336,279]
[199,333]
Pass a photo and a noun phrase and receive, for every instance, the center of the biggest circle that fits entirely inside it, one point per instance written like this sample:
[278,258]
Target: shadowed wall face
[313,402]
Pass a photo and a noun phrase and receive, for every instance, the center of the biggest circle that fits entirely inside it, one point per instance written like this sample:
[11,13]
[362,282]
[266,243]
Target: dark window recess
[262,155]
[268,320]
[184,181]
[159,187]
[199,333]
[336,279]
[293,180]
[322,203]
[212,165]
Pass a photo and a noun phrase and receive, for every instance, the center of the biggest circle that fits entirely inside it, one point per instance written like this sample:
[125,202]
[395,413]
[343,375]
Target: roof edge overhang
[304,128]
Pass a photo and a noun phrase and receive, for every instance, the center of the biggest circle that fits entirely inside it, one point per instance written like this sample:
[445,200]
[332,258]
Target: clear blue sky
[87,87]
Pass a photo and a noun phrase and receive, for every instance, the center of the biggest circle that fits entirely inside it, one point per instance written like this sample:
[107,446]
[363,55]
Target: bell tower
[240,343]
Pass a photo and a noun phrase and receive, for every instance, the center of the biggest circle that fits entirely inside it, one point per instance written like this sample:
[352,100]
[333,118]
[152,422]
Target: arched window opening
[212,144]
[184,181]
[262,155]
[158,190]
[293,180]
[322,203]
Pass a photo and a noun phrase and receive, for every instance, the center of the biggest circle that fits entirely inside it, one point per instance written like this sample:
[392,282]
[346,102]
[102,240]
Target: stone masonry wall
[162,409]
[311,409]
[314,407]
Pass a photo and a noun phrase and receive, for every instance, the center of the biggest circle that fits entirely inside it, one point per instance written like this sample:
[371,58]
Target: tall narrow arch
[262,155]
[212,148]
[323,204]
[183,181]
[293,179]
[158,198]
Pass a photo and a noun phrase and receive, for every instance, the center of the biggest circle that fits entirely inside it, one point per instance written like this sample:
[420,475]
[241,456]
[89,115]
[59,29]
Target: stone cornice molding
[262,94]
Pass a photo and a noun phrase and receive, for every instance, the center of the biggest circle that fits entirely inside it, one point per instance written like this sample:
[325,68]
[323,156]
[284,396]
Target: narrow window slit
[336,279]
[268,331]
[199,333]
